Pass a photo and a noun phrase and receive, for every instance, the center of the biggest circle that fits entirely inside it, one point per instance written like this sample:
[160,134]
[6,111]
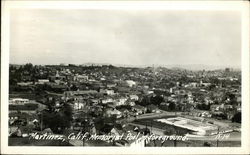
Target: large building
[198,127]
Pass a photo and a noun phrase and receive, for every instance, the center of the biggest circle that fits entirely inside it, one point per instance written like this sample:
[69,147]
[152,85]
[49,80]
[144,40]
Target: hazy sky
[125,37]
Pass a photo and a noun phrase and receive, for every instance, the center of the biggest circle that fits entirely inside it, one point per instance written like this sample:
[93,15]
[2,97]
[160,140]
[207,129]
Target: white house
[42,81]
[134,97]
[19,101]
[130,83]
[78,106]
[121,101]
[81,78]
[107,91]
[110,112]
[107,100]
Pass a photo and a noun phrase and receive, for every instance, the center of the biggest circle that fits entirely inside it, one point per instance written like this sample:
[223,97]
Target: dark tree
[28,67]
[57,120]
[207,144]
[203,106]
[237,117]
[172,106]
[156,100]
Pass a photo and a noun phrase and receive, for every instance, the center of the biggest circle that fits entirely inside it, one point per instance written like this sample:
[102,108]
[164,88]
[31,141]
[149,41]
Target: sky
[129,37]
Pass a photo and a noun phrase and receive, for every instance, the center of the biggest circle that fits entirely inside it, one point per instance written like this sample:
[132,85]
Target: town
[70,99]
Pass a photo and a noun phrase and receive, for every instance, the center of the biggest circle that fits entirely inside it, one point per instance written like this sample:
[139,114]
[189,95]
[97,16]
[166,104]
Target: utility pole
[152,132]
[41,124]
[175,131]
[217,141]
[84,129]
[151,127]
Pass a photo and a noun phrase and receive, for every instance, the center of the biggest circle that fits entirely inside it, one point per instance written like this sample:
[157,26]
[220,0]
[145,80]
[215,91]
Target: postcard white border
[243,7]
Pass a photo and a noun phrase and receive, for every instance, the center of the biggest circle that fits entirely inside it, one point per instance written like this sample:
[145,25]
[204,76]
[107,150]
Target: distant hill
[201,67]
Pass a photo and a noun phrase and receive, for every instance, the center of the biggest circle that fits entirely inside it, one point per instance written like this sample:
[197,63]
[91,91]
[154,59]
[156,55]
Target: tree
[67,110]
[203,106]
[172,106]
[170,131]
[207,144]
[74,88]
[220,116]
[99,123]
[156,100]
[57,120]
[237,117]
[28,67]
[145,101]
